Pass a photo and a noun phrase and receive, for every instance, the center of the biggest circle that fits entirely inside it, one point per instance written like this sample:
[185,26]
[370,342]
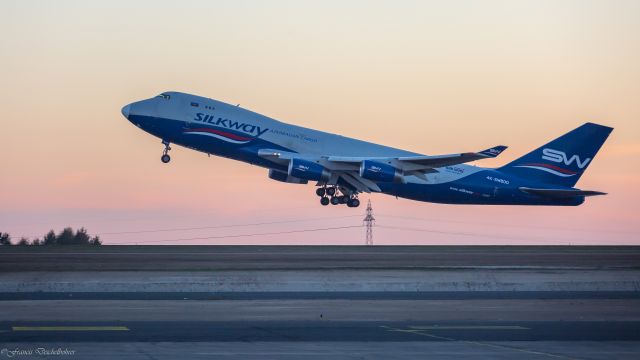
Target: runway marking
[504,347]
[70,328]
[470,327]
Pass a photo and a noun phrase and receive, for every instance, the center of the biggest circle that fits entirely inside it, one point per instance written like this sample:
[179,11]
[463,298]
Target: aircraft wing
[345,169]
[425,162]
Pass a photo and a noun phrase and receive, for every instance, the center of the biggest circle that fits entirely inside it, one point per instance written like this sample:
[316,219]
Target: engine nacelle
[380,172]
[308,170]
[284,177]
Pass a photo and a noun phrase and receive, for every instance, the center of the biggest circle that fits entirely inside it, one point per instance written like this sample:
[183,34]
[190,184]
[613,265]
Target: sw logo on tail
[561,157]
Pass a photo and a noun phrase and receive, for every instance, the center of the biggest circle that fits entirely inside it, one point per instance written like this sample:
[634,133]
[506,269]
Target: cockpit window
[164,96]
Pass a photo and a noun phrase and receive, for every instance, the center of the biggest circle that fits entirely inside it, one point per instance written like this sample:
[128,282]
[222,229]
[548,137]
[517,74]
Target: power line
[506,225]
[390,227]
[493,236]
[246,235]
[222,226]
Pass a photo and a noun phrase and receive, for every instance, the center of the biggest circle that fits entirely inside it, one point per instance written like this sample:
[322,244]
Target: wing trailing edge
[423,162]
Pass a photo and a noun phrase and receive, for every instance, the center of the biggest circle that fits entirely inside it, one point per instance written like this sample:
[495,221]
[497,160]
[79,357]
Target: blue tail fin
[563,160]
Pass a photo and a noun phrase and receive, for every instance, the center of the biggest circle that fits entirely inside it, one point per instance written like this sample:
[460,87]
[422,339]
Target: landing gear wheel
[353,202]
[331,191]
[344,199]
[320,191]
[335,200]
[324,201]
[165,153]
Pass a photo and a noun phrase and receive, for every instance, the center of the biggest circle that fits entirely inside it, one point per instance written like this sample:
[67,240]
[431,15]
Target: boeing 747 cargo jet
[344,167]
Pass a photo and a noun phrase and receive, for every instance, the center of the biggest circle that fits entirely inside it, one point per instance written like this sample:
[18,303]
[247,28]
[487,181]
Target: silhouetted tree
[49,238]
[81,237]
[66,237]
[95,240]
[5,239]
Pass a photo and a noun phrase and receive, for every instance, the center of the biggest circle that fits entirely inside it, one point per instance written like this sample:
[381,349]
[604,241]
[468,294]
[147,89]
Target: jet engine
[380,172]
[284,177]
[308,170]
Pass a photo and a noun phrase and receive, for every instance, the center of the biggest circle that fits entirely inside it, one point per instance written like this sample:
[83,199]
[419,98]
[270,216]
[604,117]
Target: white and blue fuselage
[221,129]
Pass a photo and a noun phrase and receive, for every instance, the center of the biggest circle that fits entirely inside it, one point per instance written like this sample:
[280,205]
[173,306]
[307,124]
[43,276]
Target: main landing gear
[165,153]
[331,195]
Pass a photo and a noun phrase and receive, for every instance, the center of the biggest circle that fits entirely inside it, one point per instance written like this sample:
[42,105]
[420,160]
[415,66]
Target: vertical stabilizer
[563,160]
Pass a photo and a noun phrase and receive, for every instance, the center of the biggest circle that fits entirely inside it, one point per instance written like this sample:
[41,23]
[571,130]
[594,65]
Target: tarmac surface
[328,323]
[320,295]
[183,258]
[198,331]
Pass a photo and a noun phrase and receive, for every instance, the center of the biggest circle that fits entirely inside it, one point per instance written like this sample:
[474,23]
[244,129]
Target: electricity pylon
[369,221]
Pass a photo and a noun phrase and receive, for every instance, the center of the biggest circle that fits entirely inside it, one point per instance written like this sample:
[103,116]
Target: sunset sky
[431,77]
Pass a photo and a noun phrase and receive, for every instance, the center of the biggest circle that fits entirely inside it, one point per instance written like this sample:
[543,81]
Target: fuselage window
[195,104]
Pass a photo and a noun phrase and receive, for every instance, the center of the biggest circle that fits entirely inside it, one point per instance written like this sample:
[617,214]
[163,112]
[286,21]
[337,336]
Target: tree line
[65,237]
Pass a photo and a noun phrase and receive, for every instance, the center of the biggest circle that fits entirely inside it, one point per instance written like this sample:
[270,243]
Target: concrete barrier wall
[323,281]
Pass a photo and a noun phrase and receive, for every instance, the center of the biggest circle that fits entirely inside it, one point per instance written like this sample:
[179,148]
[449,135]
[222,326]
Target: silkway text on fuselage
[230,124]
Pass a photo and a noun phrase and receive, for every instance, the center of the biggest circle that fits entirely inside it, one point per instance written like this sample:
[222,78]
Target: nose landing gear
[165,158]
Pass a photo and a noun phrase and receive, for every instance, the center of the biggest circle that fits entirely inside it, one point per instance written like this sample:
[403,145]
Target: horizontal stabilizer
[560,193]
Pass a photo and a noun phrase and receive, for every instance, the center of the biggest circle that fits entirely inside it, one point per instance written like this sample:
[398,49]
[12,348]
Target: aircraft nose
[125,111]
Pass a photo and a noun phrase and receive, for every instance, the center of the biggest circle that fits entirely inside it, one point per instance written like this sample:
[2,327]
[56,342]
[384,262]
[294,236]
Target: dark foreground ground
[162,258]
[327,329]
[601,323]
[279,331]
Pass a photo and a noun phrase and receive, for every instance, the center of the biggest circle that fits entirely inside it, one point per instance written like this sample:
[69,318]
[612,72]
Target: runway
[199,258]
[258,311]
[315,295]
[294,302]
[326,328]
[279,331]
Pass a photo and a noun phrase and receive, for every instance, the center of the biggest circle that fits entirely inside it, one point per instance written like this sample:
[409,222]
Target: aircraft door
[193,107]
